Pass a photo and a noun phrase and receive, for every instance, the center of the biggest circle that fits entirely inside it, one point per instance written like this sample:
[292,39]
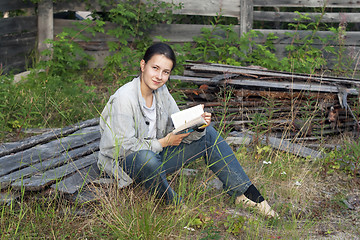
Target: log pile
[287,105]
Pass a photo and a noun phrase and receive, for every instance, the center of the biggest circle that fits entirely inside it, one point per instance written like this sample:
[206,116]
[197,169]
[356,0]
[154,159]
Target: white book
[188,120]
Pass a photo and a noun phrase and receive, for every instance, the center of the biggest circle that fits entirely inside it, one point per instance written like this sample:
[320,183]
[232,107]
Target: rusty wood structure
[286,105]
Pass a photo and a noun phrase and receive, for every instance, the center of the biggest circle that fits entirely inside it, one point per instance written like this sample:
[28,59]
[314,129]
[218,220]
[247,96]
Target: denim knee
[143,162]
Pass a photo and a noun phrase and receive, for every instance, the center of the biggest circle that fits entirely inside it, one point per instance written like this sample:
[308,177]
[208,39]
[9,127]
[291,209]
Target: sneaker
[263,207]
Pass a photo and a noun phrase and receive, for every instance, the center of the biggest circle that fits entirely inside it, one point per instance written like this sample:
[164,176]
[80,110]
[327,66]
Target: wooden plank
[6,148]
[232,9]
[307,3]
[293,148]
[45,23]
[203,8]
[180,33]
[9,5]
[8,197]
[211,8]
[61,24]
[89,194]
[77,181]
[40,181]
[18,39]
[227,8]
[45,165]
[81,6]
[351,38]
[246,16]
[39,153]
[18,24]
[313,87]
[290,16]
[246,71]
[240,138]
[267,84]
[13,53]
[14,66]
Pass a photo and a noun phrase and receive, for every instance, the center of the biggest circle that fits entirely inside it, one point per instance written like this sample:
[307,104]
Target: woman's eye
[167,72]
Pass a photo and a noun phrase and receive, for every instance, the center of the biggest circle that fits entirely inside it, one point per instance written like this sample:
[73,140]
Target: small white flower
[265,162]
[283,173]
[190,229]
[297,183]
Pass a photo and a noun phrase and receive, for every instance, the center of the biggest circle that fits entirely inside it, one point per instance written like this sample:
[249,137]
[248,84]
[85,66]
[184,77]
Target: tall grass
[308,201]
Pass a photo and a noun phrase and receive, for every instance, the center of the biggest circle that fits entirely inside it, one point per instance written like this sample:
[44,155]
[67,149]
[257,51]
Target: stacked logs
[286,105]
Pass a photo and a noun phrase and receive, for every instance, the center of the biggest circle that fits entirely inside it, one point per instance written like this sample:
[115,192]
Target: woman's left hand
[207,118]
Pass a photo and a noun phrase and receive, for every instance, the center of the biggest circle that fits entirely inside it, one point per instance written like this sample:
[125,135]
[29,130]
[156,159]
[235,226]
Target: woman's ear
[142,65]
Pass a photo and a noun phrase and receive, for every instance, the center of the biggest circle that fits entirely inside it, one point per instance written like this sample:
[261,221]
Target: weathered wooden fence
[19,36]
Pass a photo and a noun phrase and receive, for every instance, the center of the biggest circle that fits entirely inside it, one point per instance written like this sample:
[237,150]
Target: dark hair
[162,49]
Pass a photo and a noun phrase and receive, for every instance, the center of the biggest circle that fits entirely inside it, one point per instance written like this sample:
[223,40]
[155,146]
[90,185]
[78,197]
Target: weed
[345,159]
[133,22]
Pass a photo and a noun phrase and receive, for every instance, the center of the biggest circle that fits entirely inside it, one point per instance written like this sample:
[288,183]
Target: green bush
[346,159]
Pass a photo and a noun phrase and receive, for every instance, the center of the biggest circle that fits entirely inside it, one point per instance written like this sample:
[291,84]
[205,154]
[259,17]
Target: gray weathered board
[64,159]
[240,138]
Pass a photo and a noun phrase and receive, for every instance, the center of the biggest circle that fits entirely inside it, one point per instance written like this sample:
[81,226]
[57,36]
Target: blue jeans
[151,169]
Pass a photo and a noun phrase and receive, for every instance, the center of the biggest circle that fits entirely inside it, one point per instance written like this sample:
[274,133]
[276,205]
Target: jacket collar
[157,94]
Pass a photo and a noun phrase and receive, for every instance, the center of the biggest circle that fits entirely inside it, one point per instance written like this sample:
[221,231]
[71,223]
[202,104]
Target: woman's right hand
[172,139]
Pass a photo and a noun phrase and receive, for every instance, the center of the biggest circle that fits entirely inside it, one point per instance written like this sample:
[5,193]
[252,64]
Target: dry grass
[311,204]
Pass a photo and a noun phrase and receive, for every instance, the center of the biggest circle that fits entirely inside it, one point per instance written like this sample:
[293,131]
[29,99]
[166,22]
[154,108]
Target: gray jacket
[124,130]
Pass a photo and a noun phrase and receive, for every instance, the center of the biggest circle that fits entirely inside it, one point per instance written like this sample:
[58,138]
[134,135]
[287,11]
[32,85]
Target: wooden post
[246,16]
[45,24]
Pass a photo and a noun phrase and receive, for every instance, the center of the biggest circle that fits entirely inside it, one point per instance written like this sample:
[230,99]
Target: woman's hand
[207,118]
[172,139]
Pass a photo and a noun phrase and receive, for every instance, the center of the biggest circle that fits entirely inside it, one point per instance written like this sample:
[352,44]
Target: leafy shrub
[133,20]
[346,159]
[222,44]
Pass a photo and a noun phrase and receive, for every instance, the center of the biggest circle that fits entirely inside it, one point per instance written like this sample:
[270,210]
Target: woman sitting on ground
[137,143]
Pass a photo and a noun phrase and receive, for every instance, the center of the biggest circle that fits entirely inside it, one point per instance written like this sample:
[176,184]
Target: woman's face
[155,72]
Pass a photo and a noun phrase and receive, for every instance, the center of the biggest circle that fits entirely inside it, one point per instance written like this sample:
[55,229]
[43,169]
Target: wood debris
[286,105]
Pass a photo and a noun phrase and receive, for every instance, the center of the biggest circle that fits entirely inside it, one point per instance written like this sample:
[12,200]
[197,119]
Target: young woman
[137,143]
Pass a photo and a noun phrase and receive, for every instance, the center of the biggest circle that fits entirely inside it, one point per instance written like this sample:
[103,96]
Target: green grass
[313,208]
[308,197]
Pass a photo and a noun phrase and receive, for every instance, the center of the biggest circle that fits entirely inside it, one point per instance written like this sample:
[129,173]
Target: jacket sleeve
[121,134]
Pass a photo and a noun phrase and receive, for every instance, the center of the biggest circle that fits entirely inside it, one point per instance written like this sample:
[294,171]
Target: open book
[188,120]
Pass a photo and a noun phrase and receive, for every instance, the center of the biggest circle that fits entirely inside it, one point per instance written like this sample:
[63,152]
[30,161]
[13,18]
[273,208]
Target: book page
[187,115]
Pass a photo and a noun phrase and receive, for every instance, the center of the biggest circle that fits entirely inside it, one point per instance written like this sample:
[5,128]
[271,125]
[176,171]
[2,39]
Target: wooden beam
[240,138]
[18,25]
[246,16]
[290,16]
[9,148]
[39,153]
[45,24]
[308,3]
[313,87]
[78,180]
[47,164]
[10,5]
[246,71]
[39,182]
